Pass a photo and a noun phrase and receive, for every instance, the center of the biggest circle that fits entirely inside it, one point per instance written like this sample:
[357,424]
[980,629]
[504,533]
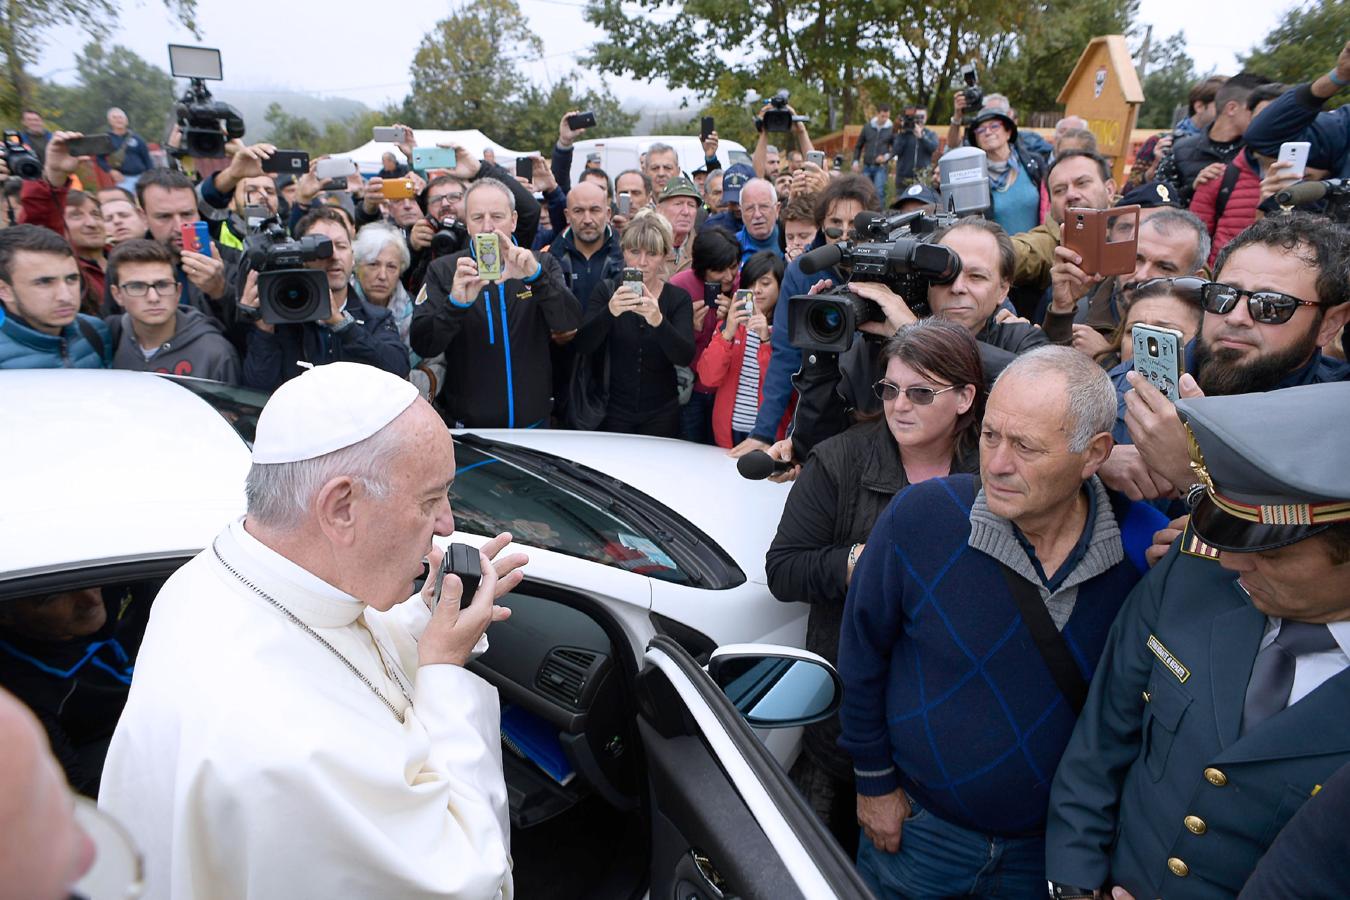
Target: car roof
[82,470]
[696,481]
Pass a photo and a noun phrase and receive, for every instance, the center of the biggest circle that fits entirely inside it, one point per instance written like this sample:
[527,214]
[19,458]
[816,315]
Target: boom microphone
[818,259]
[758,465]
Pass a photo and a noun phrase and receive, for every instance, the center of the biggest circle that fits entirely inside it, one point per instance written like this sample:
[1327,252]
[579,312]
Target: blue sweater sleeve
[785,361]
[873,621]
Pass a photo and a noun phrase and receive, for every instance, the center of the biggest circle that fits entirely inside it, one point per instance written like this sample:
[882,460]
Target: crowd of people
[1088,632]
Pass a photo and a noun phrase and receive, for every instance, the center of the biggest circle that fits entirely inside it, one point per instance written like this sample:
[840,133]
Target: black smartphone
[461,560]
[706,128]
[711,291]
[91,145]
[581,120]
[525,167]
[287,162]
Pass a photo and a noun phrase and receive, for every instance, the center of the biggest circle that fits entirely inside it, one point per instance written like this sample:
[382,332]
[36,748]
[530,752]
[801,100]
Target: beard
[1222,373]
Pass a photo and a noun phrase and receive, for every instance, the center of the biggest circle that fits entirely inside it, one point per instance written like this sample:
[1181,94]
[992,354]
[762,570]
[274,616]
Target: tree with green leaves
[24,25]
[1167,83]
[1303,46]
[288,131]
[465,75]
[106,78]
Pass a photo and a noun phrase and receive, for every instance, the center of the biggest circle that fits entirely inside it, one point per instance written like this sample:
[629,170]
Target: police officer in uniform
[1222,700]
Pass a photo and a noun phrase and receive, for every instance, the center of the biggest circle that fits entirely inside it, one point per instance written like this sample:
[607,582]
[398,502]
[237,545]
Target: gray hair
[1167,220]
[773,191]
[373,238]
[1090,396]
[663,148]
[281,495]
[492,183]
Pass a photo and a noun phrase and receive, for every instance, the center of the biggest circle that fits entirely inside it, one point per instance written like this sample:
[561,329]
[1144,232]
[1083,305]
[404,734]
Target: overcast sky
[365,56]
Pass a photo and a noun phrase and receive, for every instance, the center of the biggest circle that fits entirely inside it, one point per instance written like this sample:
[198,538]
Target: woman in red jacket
[736,359]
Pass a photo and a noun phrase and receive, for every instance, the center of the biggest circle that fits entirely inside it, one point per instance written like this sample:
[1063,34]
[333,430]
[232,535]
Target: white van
[620,153]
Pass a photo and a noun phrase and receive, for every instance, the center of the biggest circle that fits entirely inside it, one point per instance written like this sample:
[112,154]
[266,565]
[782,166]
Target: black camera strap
[1049,641]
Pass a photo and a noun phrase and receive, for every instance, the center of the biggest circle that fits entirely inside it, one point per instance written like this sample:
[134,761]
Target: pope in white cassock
[297,727]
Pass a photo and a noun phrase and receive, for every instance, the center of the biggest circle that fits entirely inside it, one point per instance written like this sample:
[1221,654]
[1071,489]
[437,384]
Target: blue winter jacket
[24,347]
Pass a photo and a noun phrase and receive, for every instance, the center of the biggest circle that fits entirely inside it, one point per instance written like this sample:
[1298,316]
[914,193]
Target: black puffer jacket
[845,486]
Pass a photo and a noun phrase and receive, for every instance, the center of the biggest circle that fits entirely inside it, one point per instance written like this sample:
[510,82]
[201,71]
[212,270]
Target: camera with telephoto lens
[897,251]
[974,96]
[22,162]
[288,292]
[451,236]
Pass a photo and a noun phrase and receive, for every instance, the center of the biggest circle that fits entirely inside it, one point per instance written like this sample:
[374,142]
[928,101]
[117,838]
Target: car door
[726,821]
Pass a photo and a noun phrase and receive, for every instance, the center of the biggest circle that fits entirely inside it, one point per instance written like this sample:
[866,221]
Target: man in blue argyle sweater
[973,624]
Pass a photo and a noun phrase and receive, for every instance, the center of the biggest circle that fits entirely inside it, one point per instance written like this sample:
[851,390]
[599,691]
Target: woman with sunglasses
[932,396]
[1015,175]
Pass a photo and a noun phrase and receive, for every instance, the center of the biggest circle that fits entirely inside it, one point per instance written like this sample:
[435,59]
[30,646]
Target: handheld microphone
[758,465]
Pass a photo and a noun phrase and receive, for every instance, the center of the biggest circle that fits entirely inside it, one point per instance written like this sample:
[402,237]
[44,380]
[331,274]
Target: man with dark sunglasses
[1279,295]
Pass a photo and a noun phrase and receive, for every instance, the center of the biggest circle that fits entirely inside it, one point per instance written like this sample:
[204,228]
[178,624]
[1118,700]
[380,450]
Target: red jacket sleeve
[1205,202]
[716,359]
[42,204]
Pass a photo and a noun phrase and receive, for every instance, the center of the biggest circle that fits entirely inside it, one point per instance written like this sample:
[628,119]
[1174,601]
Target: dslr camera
[896,251]
[21,161]
[780,119]
[974,96]
[451,236]
[288,292]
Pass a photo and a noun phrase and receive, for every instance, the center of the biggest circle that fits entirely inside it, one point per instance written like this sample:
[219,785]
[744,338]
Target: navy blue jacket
[1156,780]
[945,693]
[581,273]
[273,359]
[1308,857]
[1297,116]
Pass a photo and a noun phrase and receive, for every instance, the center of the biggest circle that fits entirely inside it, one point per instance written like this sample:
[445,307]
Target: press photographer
[347,329]
[240,185]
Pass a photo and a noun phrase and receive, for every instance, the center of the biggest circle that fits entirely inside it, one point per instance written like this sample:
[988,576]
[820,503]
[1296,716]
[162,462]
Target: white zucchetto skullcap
[327,408]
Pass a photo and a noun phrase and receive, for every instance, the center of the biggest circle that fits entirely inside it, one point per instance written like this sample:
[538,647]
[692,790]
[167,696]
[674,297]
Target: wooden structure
[1104,89]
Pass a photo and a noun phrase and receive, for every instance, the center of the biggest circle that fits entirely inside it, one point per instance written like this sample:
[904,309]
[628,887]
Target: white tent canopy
[368,155]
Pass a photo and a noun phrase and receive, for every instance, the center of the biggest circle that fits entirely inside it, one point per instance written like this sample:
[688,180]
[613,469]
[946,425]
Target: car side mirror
[776,687]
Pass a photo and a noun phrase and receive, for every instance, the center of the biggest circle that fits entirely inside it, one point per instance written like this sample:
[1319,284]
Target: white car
[630,770]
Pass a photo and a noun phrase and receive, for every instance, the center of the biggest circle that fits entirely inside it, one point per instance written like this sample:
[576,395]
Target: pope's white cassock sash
[252,762]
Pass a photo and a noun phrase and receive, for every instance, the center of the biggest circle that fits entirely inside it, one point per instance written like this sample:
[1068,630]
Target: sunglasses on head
[1266,307]
[1185,286]
[918,394]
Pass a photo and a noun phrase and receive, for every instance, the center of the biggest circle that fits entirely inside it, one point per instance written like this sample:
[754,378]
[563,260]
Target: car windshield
[545,504]
[238,406]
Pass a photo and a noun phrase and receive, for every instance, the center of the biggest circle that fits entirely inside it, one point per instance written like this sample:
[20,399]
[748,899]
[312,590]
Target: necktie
[1273,671]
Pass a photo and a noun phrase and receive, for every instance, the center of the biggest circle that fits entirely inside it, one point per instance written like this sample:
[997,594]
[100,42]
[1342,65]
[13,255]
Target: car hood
[106,466]
[698,482]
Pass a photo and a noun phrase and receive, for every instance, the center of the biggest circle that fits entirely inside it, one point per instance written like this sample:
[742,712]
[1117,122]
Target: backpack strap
[1231,173]
[1049,640]
[94,338]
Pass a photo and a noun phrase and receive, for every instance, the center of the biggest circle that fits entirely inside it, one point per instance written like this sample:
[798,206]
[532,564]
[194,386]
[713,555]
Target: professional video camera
[206,123]
[21,161]
[288,292]
[896,251]
[1335,192]
[451,236]
[974,96]
[780,119]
